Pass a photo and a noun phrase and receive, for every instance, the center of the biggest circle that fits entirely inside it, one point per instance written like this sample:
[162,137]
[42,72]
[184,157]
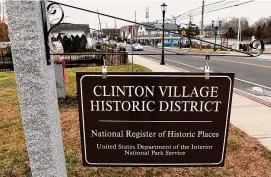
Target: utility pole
[135,28]
[100,23]
[115,24]
[201,30]
[238,37]
[190,29]
[1,11]
[132,49]
[148,14]
[107,31]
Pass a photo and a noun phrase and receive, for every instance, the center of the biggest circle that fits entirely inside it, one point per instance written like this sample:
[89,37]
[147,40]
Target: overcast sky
[126,9]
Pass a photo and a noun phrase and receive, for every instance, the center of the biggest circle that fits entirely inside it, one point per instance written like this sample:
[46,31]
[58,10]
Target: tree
[234,23]
[231,33]
[76,44]
[258,33]
[67,43]
[3,32]
[249,32]
[191,30]
[263,28]
[83,42]
[59,38]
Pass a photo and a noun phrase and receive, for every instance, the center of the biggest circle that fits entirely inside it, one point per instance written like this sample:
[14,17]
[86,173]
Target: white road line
[269,88]
[253,83]
[177,62]
[184,64]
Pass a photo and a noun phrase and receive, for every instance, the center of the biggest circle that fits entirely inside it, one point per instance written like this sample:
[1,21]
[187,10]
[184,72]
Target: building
[150,28]
[71,29]
[111,33]
[128,32]
[148,32]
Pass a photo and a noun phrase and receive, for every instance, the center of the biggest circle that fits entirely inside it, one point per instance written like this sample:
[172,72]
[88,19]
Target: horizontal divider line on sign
[127,121]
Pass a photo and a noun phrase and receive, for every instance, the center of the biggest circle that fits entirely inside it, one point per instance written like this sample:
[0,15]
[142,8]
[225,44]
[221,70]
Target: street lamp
[216,29]
[163,8]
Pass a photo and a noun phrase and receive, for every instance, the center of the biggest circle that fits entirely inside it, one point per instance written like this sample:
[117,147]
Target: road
[252,75]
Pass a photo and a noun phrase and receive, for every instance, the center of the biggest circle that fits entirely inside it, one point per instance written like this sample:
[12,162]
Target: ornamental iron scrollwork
[53,6]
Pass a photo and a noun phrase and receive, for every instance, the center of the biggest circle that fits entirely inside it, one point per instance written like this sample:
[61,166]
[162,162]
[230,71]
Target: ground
[245,156]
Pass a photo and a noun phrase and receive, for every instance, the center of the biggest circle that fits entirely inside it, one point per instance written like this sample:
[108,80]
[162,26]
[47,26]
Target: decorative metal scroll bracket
[54,6]
[45,32]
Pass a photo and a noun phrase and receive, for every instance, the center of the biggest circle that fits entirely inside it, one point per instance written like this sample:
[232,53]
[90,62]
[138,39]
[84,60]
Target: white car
[112,42]
[137,47]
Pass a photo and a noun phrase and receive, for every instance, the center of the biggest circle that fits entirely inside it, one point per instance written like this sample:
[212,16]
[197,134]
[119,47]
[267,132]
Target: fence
[6,63]
[74,59]
[88,59]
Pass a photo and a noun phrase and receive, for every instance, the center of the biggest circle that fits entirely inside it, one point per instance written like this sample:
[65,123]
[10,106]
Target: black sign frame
[81,75]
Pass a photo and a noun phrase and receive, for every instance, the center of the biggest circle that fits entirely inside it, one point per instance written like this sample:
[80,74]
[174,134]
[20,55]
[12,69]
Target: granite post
[37,89]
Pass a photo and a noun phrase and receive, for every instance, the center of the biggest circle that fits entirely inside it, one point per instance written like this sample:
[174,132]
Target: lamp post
[216,29]
[164,8]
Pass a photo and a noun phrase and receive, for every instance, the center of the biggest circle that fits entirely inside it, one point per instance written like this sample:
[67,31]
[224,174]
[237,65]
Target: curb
[235,90]
[252,97]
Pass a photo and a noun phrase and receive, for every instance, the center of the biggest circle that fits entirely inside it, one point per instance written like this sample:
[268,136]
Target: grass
[245,156]
[233,144]
[7,79]
[71,87]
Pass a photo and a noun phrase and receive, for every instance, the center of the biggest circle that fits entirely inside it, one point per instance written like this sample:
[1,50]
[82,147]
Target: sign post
[37,89]
[154,119]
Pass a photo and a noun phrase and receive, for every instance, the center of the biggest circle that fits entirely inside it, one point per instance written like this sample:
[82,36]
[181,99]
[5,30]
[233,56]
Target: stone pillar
[37,89]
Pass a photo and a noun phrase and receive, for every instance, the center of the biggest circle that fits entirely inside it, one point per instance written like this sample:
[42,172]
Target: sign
[154,119]
[183,33]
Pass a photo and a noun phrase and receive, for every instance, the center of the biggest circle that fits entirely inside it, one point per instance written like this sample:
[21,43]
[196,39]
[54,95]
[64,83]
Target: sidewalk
[251,117]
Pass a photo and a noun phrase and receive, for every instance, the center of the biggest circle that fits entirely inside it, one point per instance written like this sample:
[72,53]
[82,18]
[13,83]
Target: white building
[71,29]
[151,29]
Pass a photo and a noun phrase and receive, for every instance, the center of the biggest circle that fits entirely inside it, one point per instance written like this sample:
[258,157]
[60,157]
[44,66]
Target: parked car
[142,43]
[137,47]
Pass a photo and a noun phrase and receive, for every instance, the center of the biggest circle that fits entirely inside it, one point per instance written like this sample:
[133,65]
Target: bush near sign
[154,119]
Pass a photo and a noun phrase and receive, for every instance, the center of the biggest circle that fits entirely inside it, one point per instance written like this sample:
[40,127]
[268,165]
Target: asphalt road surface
[252,75]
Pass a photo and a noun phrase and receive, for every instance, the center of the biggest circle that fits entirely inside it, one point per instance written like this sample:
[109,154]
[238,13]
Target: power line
[189,12]
[200,8]
[209,8]
[220,9]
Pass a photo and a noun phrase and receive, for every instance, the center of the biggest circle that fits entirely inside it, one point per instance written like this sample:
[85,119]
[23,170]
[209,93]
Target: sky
[126,9]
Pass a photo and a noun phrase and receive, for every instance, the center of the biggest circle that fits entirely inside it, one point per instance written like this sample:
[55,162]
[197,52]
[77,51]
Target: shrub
[122,49]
